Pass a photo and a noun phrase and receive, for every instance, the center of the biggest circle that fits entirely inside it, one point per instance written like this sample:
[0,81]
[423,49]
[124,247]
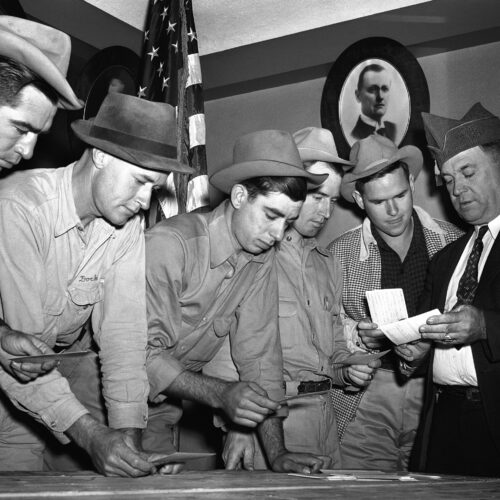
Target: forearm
[197,387]
[272,438]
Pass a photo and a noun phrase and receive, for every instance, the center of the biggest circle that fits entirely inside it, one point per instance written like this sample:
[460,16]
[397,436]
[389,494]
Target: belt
[307,386]
[460,391]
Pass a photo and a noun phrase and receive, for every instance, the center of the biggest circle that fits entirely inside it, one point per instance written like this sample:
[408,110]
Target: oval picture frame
[392,67]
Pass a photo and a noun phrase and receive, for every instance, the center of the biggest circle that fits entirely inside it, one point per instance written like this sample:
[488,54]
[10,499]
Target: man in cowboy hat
[311,331]
[391,249]
[33,63]
[72,250]
[460,432]
[212,275]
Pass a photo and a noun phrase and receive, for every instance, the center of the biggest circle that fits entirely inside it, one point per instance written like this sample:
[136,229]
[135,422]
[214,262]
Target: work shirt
[200,288]
[55,274]
[310,296]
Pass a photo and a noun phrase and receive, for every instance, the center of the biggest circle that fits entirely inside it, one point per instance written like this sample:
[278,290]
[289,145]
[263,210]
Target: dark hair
[493,150]
[371,67]
[14,77]
[293,187]
[360,183]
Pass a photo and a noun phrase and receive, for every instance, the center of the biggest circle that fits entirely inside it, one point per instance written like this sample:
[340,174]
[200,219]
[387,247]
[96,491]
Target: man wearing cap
[73,250]
[460,432]
[391,249]
[33,63]
[311,331]
[212,275]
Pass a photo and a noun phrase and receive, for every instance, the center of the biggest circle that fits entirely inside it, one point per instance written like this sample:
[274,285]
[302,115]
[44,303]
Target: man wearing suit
[460,431]
[372,92]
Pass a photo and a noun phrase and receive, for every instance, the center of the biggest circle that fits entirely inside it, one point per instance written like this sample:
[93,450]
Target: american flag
[171,73]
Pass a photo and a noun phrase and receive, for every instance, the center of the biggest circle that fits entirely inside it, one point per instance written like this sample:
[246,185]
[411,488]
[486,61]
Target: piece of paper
[360,358]
[387,305]
[178,457]
[303,395]
[41,358]
[402,332]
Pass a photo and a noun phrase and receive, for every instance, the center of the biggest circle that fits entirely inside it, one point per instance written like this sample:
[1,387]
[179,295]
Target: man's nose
[278,231]
[26,146]
[391,207]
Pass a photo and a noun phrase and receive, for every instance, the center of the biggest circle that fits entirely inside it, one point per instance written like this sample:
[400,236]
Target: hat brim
[18,49]
[309,154]
[227,177]
[141,159]
[410,155]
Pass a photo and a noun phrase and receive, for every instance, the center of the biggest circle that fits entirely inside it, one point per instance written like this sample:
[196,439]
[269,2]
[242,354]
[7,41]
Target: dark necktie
[381,131]
[468,282]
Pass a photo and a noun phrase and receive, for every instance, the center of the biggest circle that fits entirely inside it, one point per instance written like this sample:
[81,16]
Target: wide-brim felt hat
[374,153]
[317,144]
[447,137]
[44,50]
[135,130]
[264,153]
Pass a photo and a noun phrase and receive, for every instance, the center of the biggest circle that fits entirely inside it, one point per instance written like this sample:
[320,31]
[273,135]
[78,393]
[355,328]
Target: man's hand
[113,452]
[239,450]
[413,353]
[14,343]
[361,375]
[303,463]
[371,336]
[246,403]
[463,325]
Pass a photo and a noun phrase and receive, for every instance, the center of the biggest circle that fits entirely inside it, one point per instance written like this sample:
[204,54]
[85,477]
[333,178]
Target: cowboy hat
[317,144]
[44,50]
[135,130]
[260,154]
[447,137]
[371,155]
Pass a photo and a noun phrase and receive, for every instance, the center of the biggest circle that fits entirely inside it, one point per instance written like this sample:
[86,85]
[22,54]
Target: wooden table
[224,485]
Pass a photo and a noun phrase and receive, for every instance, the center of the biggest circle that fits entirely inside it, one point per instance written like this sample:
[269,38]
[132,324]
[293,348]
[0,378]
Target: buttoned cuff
[162,370]
[124,415]
[59,418]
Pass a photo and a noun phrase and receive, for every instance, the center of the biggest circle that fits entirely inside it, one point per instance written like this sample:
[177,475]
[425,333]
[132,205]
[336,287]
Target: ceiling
[251,44]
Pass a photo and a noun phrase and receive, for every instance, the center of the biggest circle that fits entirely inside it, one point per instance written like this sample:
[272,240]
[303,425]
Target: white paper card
[402,332]
[387,305]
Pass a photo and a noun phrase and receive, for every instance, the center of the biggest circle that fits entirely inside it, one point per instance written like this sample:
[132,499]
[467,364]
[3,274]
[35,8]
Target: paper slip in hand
[177,457]
[402,332]
[360,358]
[41,358]
[387,305]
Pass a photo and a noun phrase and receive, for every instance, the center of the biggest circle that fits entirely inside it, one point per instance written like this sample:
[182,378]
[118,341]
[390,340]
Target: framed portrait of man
[376,86]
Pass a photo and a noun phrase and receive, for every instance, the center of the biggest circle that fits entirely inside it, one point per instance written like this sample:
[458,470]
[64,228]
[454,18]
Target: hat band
[132,142]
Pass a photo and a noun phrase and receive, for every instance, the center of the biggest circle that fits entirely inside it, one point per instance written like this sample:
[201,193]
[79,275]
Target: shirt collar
[493,227]
[371,122]
[67,217]
[222,242]
[293,237]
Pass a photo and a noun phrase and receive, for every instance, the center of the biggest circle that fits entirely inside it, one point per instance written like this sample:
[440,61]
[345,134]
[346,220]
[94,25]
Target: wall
[456,80]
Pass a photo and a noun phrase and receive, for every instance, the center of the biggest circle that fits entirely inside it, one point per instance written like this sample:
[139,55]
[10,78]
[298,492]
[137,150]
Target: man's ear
[99,158]
[239,196]
[358,198]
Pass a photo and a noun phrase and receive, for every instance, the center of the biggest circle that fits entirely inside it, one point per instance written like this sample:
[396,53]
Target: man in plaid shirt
[391,249]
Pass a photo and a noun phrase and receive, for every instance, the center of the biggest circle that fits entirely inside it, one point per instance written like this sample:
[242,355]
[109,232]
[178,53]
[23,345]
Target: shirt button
[288,238]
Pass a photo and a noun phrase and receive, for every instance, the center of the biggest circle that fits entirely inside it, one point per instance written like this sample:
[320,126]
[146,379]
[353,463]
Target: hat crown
[371,151]
[142,119]
[269,145]
[446,137]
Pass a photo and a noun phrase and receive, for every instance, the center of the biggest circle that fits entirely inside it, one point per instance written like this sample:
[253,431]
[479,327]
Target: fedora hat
[44,50]
[264,153]
[371,155]
[135,130]
[447,137]
[317,144]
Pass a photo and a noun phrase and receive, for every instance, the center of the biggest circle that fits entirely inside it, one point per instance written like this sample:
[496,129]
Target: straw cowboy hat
[447,137]
[263,153]
[44,50]
[372,154]
[135,130]
[317,144]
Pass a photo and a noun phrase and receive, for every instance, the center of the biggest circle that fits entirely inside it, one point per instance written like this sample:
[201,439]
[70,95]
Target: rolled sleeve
[120,329]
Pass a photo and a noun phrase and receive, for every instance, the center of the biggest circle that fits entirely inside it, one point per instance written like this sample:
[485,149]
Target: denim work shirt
[200,288]
[55,274]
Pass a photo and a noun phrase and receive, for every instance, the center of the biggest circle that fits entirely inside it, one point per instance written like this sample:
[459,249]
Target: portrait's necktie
[381,131]
[468,282]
